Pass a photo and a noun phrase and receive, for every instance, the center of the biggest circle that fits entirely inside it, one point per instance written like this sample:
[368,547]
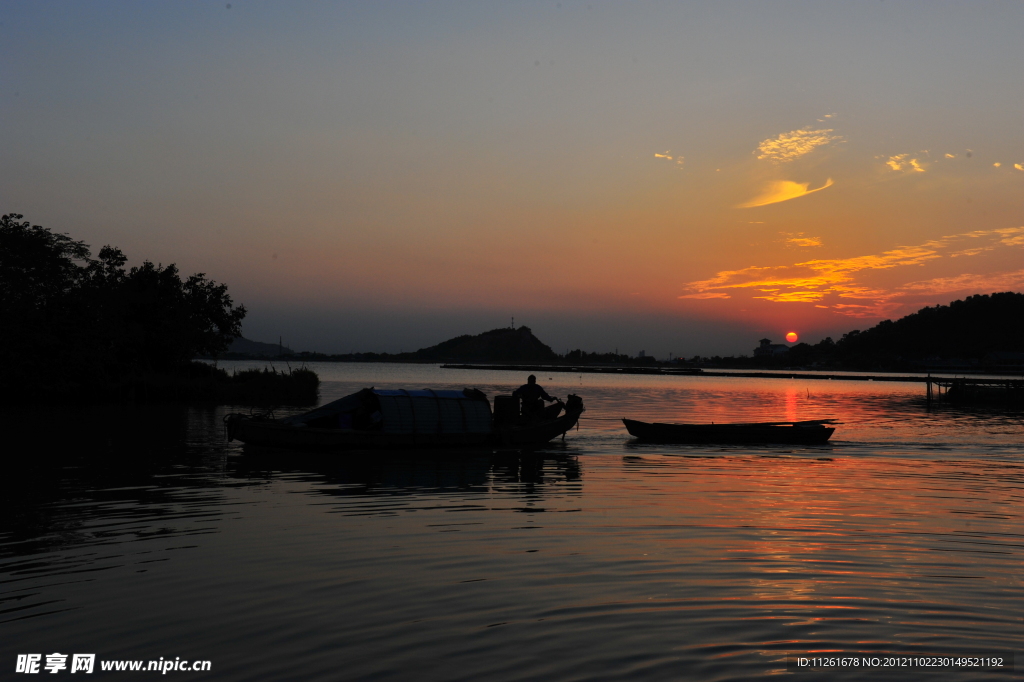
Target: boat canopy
[429,411]
[411,412]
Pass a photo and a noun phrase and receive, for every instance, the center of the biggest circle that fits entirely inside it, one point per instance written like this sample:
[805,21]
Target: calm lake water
[140,533]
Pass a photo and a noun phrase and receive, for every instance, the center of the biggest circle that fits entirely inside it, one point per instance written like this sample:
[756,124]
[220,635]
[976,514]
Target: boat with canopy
[381,418]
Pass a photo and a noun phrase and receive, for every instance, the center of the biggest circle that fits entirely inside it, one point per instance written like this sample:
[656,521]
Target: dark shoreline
[694,371]
[197,383]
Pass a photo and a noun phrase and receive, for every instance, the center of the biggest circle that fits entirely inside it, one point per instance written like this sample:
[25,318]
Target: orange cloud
[707,295]
[800,240]
[903,162]
[971,252]
[783,190]
[791,297]
[794,144]
[668,156]
[997,281]
[886,303]
[1011,236]
[813,280]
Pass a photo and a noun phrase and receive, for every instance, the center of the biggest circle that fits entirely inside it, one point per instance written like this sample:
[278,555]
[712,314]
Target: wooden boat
[373,419]
[537,429]
[814,432]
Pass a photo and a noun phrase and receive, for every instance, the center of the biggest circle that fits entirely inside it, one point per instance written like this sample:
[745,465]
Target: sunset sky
[672,177]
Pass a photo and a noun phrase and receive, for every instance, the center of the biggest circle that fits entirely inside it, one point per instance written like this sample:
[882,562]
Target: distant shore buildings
[768,349]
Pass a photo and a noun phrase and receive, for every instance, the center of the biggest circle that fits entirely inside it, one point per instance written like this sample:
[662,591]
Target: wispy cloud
[987,282]
[783,190]
[904,162]
[1011,236]
[811,281]
[798,239]
[707,295]
[668,157]
[794,144]
[971,252]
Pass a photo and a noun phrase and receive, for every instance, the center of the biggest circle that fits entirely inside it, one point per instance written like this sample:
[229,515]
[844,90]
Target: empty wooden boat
[814,432]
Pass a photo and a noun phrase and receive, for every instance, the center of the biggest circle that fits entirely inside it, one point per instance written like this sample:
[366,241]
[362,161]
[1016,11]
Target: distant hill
[242,346]
[497,345]
[973,328]
[983,331]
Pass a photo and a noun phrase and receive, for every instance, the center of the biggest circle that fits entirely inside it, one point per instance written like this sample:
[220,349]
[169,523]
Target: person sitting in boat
[531,393]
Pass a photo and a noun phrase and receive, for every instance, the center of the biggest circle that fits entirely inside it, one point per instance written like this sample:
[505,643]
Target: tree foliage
[976,329]
[73,322]
[969,329]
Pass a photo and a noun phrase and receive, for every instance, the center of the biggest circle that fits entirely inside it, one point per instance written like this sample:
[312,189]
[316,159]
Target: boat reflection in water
[377,419]
[404,472]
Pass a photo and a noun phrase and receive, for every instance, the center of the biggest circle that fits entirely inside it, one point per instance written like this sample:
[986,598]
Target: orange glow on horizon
[792,337]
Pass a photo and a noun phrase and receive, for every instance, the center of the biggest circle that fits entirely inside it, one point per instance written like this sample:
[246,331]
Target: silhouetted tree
[74,323]
[967,329]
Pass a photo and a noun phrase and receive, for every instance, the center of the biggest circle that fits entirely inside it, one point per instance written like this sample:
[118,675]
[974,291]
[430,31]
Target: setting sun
[792,337]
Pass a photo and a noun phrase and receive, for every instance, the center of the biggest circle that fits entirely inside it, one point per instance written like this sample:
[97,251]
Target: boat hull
[416,428]
[275,434]
[536,434]
[782,434]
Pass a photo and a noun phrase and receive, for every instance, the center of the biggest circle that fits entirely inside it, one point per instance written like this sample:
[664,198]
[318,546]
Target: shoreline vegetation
[89,330]
[84,330]
[983,334]
[203,383]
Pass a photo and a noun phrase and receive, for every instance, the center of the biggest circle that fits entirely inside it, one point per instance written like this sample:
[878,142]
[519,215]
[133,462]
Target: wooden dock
[976,390]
